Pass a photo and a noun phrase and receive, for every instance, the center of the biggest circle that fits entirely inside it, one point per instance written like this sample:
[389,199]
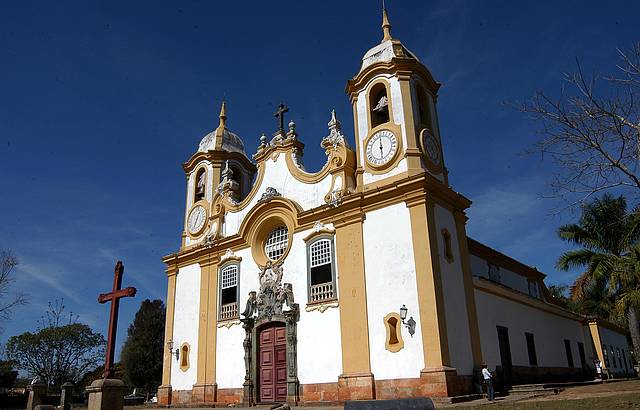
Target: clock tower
[394,106]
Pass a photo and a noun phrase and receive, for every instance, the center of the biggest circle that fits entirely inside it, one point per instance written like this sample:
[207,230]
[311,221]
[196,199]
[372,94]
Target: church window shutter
[277,243]
[321,276]
[229,291]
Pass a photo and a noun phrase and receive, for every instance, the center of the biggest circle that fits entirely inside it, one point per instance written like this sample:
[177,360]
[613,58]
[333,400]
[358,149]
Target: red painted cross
[114,297]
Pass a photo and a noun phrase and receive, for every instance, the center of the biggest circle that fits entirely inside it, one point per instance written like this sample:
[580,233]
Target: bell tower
[394,106]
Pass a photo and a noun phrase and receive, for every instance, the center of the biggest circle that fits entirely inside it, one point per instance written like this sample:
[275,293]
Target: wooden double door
[272,364]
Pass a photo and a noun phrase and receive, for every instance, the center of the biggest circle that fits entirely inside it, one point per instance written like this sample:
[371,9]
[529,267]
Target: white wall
[391,283]
[278,176]
[617,341]
[229,350]
[549,332]
[319,344]
[455,300]
[185,325]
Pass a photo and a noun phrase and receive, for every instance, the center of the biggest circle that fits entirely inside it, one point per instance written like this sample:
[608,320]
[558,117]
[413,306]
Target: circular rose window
[277,242]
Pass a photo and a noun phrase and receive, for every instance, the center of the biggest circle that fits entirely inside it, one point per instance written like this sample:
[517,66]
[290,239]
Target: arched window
[448,252]
[321,270]
[184,357]
[392,325]
[237,176]
[379,105]
[229,291]
[277,243]
[200,185]
[424,109]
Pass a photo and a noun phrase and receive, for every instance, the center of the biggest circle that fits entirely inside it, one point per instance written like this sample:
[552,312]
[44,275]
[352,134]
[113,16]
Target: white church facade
[357,281]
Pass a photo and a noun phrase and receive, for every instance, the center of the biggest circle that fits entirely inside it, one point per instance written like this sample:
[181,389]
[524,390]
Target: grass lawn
[623,401]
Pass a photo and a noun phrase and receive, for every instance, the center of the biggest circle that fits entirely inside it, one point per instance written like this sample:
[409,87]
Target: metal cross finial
[280,115]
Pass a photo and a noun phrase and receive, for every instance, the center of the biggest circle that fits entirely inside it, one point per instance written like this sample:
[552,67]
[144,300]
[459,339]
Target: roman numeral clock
[381,148]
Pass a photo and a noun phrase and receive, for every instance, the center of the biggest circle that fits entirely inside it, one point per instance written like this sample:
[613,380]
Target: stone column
[292,317]
[106,394]
[247,387]
[67,396]
[36,390]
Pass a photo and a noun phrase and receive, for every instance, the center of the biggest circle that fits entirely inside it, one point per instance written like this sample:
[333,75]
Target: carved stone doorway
[272,363]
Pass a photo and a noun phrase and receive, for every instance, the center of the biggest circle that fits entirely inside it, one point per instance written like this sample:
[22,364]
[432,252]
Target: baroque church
[357,281]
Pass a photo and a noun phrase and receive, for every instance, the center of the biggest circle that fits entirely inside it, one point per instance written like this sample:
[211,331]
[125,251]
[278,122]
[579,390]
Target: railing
[321,292]
[229,311]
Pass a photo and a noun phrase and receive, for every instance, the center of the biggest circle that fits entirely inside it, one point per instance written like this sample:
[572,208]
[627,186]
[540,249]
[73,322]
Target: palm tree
[608,236]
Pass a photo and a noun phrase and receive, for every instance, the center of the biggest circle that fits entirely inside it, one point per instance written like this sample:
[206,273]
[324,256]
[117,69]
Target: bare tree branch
[8,301]
[591,131]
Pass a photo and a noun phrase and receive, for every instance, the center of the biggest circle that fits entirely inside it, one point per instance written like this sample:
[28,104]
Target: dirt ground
[618,395]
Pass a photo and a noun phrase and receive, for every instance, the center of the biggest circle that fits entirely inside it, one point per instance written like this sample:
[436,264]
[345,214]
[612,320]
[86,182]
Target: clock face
[431,147]
[381,148]
[196,219]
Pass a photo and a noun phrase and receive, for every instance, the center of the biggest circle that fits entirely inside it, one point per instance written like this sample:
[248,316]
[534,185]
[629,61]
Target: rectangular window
[583,362]
[531,349]
[606,355]
[567,348]
[321,270]
[532,285]
[613,357]
[229,292]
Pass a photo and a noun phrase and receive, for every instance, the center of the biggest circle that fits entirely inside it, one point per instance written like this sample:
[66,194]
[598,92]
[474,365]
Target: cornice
[217,156]
[352,209]
[402,67]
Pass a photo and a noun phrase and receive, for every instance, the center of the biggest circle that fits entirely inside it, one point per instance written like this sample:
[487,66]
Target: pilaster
[205,389]
[472,314]
[429,284]
[412,150]
[357,381]
[164,391]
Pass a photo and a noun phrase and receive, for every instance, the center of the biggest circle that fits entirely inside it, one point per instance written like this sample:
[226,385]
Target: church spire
[386,26]
[223,115]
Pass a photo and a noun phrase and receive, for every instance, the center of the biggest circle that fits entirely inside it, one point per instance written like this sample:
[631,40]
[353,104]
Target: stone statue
[273,294]
[250,307]
[200,184]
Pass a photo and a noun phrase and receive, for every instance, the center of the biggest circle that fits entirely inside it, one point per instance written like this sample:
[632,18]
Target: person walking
[488,381]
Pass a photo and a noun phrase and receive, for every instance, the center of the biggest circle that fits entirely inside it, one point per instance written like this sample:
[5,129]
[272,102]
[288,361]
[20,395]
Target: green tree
[60,351]
[143,350]
[607,234]
[8,374]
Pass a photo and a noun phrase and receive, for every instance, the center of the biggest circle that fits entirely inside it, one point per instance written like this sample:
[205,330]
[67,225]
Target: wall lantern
[409,324]
[177,351]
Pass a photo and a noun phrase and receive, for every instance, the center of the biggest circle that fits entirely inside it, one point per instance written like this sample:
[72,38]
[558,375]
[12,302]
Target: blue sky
[101,103]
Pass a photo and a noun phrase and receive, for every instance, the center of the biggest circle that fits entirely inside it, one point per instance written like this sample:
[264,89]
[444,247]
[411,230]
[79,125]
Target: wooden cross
[114,297]
[280,115]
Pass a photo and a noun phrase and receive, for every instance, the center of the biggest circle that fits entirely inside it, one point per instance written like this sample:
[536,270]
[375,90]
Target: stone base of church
[204,393]
[444,382]
[356,386]
[228,396]
[433,382]
[164,395]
